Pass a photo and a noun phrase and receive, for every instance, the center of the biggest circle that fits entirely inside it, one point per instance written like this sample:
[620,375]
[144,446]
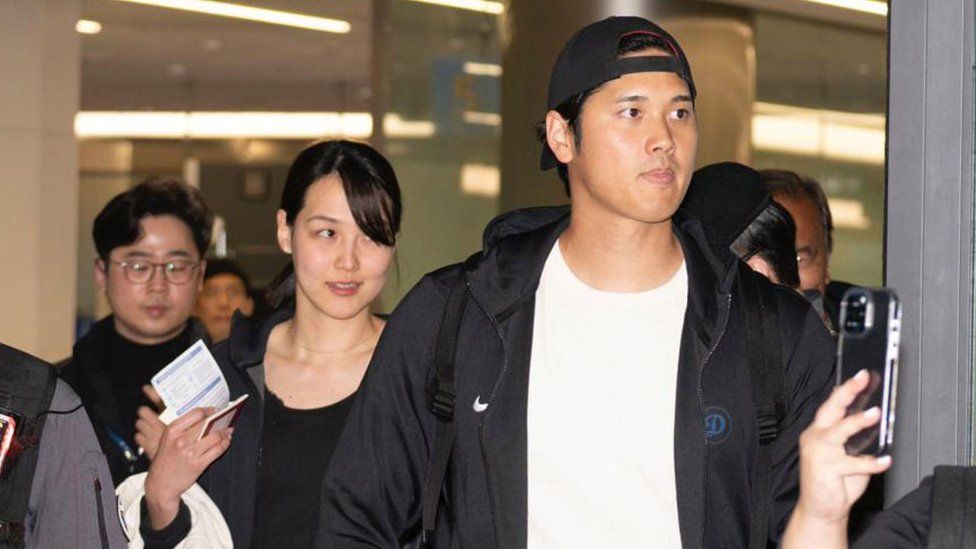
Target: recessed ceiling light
[232,125]
[875,7]
[250,13]
[835,135]
[84,26]
[482,69]
[484,6]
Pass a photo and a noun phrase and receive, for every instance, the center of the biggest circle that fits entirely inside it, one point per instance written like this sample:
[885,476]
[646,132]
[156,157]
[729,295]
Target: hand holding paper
[194,380]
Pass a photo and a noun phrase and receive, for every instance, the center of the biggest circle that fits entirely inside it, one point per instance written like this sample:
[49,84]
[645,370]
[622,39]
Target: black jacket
[372,491]
[905,525]
[85,372]
[232,480]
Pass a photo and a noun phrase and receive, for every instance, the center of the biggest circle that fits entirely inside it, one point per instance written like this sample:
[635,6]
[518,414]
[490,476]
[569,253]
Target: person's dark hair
[229,267]
[571,108]
[772,236]
[371,188]
[118,222]
[792,184]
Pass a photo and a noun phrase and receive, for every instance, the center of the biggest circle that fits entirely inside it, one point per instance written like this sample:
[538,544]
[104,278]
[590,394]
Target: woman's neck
[314,335]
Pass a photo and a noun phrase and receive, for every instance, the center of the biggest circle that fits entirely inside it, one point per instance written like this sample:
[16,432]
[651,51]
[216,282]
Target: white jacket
[208,530]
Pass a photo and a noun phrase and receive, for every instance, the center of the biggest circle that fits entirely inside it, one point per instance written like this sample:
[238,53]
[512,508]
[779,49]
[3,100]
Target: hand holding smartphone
[870,330]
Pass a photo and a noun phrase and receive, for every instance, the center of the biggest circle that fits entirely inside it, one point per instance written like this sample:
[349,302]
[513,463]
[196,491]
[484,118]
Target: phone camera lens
[856,315]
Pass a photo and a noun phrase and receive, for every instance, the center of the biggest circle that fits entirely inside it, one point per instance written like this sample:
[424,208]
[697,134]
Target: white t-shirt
[601,407]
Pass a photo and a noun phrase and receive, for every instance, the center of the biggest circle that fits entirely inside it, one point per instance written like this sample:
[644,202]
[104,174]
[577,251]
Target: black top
[108,372]
[132,365]
[905,525]
[296,446]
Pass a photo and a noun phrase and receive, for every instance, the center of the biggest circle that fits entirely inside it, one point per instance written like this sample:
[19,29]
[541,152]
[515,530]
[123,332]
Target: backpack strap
[953,508]
[767,374]
[442,405]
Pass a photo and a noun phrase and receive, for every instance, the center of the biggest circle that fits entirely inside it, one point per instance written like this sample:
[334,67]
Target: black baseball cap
[590,58]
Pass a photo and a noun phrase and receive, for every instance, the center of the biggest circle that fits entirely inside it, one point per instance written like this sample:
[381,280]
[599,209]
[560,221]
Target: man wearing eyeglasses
[151,241]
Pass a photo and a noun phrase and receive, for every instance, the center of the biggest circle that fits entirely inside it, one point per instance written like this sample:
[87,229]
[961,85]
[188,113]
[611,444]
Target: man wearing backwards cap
[600,394]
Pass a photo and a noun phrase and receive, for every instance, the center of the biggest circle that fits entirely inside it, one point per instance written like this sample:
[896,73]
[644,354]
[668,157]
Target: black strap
[953,508]
[442,405]
[766,369]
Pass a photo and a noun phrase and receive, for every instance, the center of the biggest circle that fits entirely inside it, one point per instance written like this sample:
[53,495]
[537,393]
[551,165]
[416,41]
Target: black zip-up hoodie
[372,491]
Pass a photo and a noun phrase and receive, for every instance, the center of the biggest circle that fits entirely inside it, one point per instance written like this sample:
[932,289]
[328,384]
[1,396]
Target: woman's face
[338,269]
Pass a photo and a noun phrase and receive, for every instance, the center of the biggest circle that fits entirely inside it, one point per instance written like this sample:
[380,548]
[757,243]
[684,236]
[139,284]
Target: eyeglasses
[140,271]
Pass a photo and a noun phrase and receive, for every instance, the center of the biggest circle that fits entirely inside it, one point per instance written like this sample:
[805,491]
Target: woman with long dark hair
[339,220]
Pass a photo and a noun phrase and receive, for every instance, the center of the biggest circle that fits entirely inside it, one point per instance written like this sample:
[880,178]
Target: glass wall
[227,103]
[820,110]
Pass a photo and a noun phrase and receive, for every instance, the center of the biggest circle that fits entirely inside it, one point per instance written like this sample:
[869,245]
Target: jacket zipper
[491,399]
[102,532]
[701,408]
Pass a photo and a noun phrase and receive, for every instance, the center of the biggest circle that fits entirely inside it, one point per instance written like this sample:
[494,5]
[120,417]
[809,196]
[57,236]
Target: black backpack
[27,386]
[767,373]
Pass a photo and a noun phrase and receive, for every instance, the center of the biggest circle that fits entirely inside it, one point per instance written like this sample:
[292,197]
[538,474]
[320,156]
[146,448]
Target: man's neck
[620,255]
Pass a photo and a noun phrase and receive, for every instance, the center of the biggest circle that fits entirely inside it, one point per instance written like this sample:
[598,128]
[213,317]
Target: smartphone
[8,425]
[870,329]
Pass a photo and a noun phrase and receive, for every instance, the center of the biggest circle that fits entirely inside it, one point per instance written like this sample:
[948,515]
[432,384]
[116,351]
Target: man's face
[637,150]
[157,310]
[222,294]
[811,242]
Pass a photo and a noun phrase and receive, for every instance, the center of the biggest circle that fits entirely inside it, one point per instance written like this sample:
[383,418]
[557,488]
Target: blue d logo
[718,424]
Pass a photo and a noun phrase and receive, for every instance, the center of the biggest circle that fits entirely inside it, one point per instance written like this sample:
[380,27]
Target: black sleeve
[371,495]
[809,355]
[905,525]
[170,536]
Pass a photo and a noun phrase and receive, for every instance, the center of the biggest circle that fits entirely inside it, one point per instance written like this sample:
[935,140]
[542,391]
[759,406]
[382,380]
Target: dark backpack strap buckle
[442,401]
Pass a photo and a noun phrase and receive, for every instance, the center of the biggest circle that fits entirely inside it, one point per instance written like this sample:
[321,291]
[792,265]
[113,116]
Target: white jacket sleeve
[208,530]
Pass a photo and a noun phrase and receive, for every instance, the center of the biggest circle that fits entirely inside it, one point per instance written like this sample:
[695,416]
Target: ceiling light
[483,6]
[222,125]
[394,126]
[835,135]
[482,69]
[250,13]
[84,26]
[483,118]
[481,180]
[875,7]
[232,125]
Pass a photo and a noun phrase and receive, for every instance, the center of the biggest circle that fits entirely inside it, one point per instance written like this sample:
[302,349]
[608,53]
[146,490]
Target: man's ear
[284,232]
[247,308]
[101,274]
[560,138]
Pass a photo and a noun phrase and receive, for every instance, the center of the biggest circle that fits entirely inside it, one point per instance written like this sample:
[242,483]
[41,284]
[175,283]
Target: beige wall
[39,61]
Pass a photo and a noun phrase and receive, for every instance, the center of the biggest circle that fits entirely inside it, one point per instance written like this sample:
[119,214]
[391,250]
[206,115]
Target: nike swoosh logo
[479,406]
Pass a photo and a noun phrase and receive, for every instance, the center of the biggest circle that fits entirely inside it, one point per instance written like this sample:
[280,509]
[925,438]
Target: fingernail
[861,373]
[884,460]
[874,411]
